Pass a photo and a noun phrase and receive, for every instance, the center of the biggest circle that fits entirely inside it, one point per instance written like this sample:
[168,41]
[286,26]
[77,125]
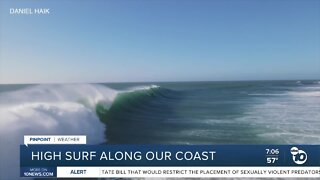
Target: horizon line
[182,81]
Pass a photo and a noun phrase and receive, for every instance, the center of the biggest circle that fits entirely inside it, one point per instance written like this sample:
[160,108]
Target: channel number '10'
[272,155]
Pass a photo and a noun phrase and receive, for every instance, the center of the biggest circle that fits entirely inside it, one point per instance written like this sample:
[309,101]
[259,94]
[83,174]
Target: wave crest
[68,109]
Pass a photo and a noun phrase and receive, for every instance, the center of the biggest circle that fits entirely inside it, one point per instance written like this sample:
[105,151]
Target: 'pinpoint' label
[56,139]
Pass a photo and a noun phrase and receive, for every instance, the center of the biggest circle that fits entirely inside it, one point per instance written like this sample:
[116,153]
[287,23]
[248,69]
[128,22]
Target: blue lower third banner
[170,161]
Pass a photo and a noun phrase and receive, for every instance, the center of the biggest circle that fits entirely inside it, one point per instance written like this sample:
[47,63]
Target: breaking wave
[70,109]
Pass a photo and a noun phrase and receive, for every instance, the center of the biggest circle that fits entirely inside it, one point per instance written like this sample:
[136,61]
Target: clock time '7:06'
[272,151]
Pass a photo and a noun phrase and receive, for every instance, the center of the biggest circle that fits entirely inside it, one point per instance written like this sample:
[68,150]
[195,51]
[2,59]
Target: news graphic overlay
[74,158]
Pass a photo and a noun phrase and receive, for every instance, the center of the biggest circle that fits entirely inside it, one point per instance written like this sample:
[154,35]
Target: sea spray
[52,110]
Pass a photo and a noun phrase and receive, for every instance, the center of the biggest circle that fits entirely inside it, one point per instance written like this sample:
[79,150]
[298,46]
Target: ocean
[239,112]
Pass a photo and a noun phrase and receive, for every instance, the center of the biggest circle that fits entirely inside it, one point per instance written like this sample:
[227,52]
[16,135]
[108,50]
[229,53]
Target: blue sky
[160,40]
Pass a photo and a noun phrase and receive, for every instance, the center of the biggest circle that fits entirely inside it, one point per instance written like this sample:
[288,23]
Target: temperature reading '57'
[271,160]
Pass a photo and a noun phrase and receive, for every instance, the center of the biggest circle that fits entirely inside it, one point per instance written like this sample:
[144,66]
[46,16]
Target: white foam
[310,94]
[139,88]
[49,109]
[292,118]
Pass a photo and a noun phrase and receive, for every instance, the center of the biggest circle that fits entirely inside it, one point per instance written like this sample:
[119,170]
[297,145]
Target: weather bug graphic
[298,156]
